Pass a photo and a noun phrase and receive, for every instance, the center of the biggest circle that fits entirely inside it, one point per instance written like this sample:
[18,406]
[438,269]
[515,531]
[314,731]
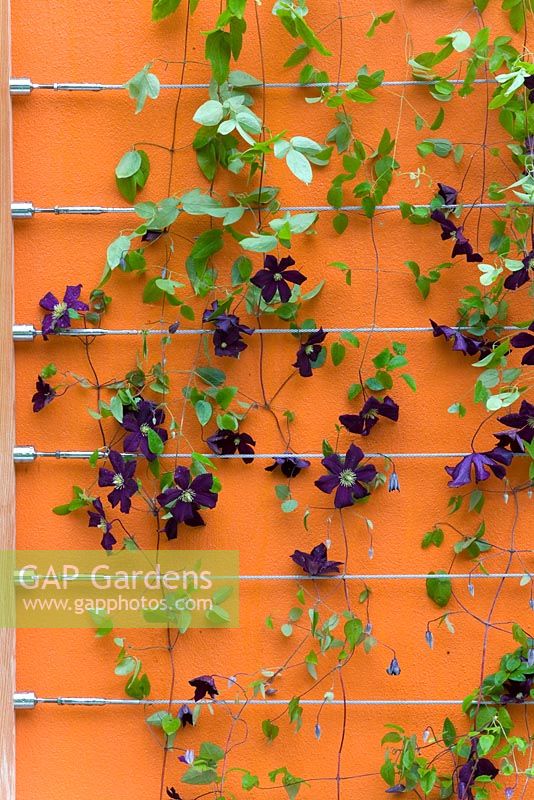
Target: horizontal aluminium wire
[29,700]
[27,453]
[29,332]
[24,86]
[20,577]
[26,209]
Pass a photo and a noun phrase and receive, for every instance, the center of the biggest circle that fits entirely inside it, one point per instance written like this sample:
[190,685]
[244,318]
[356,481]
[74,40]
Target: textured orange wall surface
[65,149]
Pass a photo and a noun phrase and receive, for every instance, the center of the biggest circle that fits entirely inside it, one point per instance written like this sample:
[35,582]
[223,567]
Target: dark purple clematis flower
[316,562]
[525,339]
[152,235]
[473,768]
[44,394]
[346,477]
[121,477]
[308,353]
[227,339]
[373,408]
[276,277]
[185,498]
[465,344]
[290,465]
[517,691]
[462,245]
[523,422]
[204,685]
[147,417]
[394,667]
[494,459]
[529,84]
[448,194]
[521,276]
[171,525]
[97,519]
[59,317]
[185,716]
[225,442]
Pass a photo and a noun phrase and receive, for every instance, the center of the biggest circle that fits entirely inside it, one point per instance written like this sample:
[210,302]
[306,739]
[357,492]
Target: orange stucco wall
[65,149]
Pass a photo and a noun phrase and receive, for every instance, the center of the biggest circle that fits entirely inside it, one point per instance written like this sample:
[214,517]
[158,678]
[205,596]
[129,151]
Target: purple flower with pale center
[147,417]
[525,339]
[367,418]
[474,768]
[520,276]
[478,462]
[205,684]
[464,344]
[97,519]
[44,394]
[121,477]
[448,194]
[462,245]
[226,443]
[394,668]
[185,498]
[185,716]
[59,317]
[348,479]
[308,353]
[227,339]
[316,562]
[289,465]
[276,277]
[523,422]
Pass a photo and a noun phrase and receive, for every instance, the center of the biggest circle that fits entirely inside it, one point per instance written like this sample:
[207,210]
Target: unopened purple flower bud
[531,603]
[530,656]
[394,668]
[508,793]
[471,589]
[317,731]
[368,629]
[173,327]
[429,638]
[393,484]
[188,757]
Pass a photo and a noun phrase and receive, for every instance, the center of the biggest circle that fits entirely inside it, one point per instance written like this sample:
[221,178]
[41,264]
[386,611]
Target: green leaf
[289,505]
[155,443]
[269,729]
[129,164]
[116,407]
[299,166]
[209,113]
[409,380]
[338,351]
[439,588]
[218,51]
[163,8]
[211,375]
[353,630]
[203,410]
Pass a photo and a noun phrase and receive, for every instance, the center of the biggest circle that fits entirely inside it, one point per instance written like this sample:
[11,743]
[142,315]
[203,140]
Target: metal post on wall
[7,405]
